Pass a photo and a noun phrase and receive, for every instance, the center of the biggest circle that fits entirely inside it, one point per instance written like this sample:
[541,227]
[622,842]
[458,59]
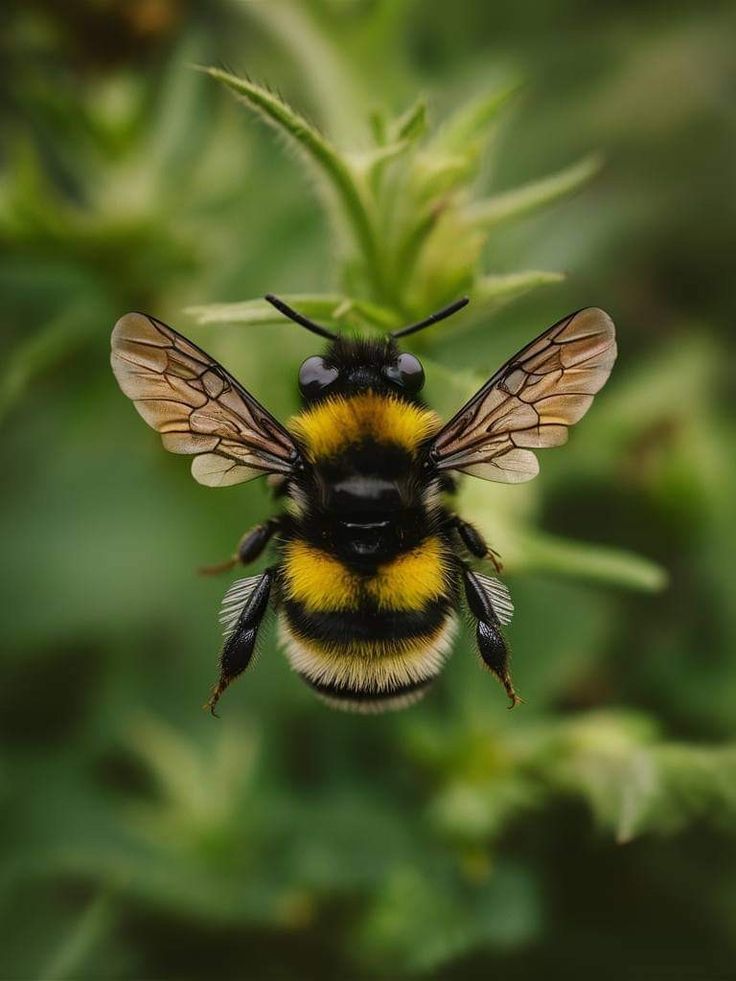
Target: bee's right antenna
[299,318]
[435,318]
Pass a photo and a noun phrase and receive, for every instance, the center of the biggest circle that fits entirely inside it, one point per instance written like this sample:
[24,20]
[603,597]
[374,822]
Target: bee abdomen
[366,661]
[371,642]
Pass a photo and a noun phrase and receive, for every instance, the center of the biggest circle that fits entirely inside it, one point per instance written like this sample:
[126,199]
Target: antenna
[435,318]
[298,318]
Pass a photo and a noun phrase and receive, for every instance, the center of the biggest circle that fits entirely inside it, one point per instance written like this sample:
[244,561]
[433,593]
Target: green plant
[410,234]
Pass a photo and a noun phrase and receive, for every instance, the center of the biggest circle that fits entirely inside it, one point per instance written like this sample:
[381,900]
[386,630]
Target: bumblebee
[371,562]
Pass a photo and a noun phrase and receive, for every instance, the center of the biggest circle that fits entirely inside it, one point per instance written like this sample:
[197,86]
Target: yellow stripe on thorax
[339,422]
[323,584]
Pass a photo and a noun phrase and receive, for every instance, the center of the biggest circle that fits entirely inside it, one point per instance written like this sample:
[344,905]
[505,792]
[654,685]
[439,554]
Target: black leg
[475,542]
[491,644]
[251,546]
[238,650]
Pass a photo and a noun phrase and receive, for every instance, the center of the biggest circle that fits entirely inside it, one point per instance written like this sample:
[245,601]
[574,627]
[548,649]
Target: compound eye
[315,375]
[407,372]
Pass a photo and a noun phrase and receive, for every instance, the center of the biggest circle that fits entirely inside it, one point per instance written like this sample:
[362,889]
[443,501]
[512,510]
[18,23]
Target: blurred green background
[590,830]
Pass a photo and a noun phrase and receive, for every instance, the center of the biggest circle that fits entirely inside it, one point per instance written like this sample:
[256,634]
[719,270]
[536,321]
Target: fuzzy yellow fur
[323,584]
[318,580]
[412,579]
[337,423]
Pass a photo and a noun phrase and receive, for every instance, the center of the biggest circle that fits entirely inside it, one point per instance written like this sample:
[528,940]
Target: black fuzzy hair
[352,353]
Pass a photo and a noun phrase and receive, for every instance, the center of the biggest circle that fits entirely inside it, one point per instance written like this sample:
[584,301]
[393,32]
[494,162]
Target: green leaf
[199,788]
[635,783]
[472,121]
[328,163]
[435,174]
[258,311]
[505,513]
[693,783]
[471,810]
[588,561]
[411,124]
[451,157]
[495,290]
[331,307]
[514,204]
[371,163]
[378,122]
[409,246]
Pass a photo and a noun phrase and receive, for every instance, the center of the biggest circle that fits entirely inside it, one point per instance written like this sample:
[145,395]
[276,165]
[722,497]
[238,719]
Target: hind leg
[241,639]
[492,646]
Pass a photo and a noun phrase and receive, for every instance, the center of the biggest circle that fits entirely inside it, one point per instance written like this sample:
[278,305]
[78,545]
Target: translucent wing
[196,405]
[529,403]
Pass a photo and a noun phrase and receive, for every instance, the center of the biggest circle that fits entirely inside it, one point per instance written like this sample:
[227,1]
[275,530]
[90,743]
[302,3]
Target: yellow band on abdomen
[411,580]
[317,580]
[322,584]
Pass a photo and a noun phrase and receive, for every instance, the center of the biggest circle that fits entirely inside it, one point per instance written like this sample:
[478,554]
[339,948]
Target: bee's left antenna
[298,318]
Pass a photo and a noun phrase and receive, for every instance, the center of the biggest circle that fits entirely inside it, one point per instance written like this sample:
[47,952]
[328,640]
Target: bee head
[356,364]
[360,364]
